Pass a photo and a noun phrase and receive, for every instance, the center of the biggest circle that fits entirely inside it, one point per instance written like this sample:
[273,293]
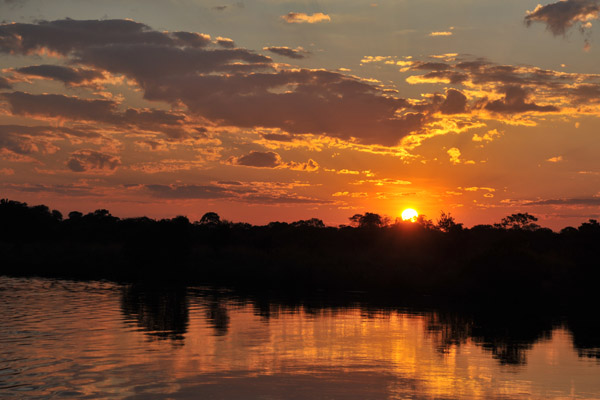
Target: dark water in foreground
[66,339]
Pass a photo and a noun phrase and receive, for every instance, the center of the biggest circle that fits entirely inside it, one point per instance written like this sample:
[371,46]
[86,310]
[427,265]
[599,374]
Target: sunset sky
[269,110]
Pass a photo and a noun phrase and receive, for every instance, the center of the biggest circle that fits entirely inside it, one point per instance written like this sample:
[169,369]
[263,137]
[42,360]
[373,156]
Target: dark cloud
[225,42]
[269,159]
[98,110]
[515,101]
[278,137]
[55,105]
[287,52]
[454,103]
[258,159]
[91,160]
[4,83]
[233,87]
[188,191]
[245,195]
[220,8]
[584,201]
[63,189]
[229,183]
[26,140]
[521,86]
[67,75]
[68,35]
[282,199]
[559,17]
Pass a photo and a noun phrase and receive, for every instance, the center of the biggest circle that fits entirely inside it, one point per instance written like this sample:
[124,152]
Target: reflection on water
[163,314]
[102,340]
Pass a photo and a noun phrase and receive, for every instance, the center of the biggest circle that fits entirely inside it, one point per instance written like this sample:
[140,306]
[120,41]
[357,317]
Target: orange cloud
[446,33]
[303,18]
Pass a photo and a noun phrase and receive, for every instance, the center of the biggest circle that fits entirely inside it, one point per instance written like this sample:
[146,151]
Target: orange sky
[270,111]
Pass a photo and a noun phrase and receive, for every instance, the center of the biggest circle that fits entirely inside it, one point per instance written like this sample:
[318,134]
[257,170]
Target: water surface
[61,339]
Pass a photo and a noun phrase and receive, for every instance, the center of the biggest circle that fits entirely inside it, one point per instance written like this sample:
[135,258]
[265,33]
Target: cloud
[169,165]
[555,159]
[269,159]
[454,154]
[225,42]
[440,34]
[26,140]
[303,18]
[455,157]
[188,191]
[559,17]
[96,110]
[309,166]
[511,90]
[90,160]
[454,103]
[258,159]
[515,101]
[61,189]
[488,136]
[229,192]
[296,54]
[4,83]
[67,75]
[583,201]
[230,87]
[282,199]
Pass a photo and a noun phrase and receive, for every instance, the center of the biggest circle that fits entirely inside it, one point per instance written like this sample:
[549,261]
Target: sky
[270,110]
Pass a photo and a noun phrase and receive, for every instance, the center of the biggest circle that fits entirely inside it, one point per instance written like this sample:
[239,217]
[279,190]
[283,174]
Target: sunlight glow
[409,215]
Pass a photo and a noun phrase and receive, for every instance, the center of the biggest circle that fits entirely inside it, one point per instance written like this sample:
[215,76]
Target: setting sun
[409,215]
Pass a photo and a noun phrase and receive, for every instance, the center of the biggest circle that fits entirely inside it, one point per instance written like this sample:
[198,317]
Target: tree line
[514,257]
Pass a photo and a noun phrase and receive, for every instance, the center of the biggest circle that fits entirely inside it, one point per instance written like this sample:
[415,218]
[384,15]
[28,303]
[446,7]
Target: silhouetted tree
[312,223]
[523,221]
[447,223]
[75,215]
[590,227]
[210,218]
[368,220]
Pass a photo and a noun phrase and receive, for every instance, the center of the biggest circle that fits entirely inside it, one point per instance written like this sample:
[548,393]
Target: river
[66,339]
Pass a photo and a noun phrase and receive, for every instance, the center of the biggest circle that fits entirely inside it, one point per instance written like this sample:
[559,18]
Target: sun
[409,215]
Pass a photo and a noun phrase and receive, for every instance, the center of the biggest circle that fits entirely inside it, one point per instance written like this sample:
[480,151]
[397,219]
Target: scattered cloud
[67,75]
[258,159]
[444,33]
[515,101]
[455,157]
[270,159]
[86,160]
[297,53]
[58,106]
[555,159]
[4,83]
[303,18]
[225,42]
[188,191]
[227,192]
[582,201]
[560,16]
[488,136]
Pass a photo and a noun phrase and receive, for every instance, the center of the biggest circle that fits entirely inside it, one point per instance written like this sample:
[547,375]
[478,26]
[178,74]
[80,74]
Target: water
[62,339]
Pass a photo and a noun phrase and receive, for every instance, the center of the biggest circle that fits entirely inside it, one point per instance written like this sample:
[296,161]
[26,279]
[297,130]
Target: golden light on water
[409,215]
